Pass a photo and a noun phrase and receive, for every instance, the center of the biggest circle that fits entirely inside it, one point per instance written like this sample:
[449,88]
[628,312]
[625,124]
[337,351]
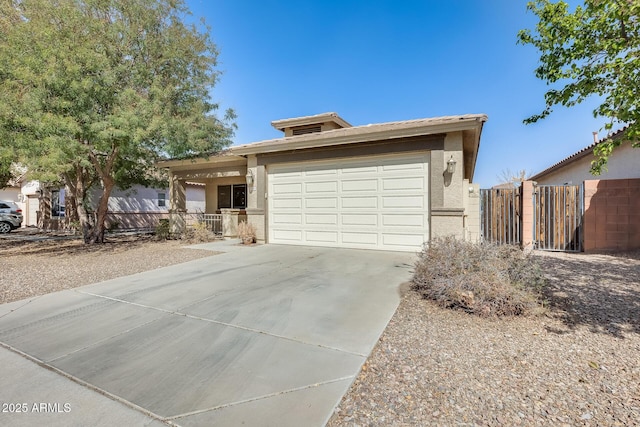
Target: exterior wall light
[250,178]
[451,165]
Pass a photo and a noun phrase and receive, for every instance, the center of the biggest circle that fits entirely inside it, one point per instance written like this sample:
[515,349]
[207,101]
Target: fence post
[526,197]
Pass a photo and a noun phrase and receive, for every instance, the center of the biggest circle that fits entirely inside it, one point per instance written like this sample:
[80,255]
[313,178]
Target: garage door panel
[403,202]
[287,189]
[403,184]
[322,236]
[380,202]
[360,219]
[403,166]
[294,219]
[287,173]
[359,202]
[360,185]
[403,220]
[286,235]
[354,169]
[320,171]
[287,203]
[321,219]
[369,239]
[321,187]
[321,203]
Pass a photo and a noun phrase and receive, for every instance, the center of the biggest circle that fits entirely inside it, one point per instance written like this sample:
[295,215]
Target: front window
[232,196]
[162,200]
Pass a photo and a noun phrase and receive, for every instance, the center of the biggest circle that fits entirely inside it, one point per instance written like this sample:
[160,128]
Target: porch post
[256,198]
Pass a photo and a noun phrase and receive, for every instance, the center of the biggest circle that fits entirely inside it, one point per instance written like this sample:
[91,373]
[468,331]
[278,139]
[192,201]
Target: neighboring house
[609,202]
[388,186]
[25,194]
[623,164]
[135,208]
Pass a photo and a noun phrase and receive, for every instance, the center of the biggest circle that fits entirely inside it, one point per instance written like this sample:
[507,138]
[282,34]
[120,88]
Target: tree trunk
[78,187]
[96,233]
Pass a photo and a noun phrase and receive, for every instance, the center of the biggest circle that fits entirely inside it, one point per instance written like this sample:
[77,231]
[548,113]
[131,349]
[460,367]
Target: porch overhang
[201,169]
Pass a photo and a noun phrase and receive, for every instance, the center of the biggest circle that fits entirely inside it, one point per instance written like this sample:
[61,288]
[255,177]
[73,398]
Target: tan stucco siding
[212,190]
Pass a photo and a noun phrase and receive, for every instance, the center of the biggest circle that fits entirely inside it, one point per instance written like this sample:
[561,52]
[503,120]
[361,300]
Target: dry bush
[246,232]
[483,279]
[198,233]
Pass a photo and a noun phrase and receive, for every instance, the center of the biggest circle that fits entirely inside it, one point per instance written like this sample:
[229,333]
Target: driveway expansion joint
[85,384]
[264,396]
[244,328]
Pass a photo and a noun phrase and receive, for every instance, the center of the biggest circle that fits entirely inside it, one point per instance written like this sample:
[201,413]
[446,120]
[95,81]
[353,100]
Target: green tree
[96,91]
[593,50]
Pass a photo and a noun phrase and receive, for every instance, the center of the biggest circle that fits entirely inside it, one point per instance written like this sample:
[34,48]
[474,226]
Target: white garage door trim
[374,202]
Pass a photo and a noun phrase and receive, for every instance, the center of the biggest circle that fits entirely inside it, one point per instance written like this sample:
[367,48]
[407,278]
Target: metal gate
[557,224]
[500,219]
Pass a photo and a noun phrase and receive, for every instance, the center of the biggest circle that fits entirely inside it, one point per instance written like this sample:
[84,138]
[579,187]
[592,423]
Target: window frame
[232,195]
[162,201]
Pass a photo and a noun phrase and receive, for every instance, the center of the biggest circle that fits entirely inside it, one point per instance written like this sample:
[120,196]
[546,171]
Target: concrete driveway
[265,335]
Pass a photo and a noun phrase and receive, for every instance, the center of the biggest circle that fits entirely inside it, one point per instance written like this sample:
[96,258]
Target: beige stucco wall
[447,199]
[453,195]
[472,212]
[212,190]
[623,163]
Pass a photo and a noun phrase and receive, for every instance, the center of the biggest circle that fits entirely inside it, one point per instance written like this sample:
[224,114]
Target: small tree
[507,176]
[594,50]
[96,91]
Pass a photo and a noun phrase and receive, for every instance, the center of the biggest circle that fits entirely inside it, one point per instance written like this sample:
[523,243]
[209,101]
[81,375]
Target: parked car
[10,216]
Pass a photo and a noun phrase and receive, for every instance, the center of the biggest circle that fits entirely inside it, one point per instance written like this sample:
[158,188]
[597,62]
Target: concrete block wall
[611,215]
[526,213]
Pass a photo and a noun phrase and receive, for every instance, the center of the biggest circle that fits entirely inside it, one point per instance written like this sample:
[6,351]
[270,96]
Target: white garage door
[373,203]
[33,204]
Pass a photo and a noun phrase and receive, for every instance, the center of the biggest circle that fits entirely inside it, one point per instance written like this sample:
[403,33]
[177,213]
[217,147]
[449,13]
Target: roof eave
[338,137]
[310,120]
[221,159]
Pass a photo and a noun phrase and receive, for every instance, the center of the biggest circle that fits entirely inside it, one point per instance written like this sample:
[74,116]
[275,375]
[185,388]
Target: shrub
[163,230]
[246,232]
[199,233]
[483,279]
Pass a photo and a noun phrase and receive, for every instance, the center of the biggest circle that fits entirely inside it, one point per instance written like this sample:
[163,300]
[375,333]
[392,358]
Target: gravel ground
[578,365]
[29,267]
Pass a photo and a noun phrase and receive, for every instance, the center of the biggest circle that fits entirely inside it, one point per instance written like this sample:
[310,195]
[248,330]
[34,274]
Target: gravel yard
[577,365]
[29,267]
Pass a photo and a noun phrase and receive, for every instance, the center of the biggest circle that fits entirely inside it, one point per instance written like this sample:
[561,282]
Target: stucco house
[134,208]
[25,193]
[137,207]
[386,186]
[575,169]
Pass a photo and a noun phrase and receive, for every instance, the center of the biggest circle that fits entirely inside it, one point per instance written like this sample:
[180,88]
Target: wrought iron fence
[187,220]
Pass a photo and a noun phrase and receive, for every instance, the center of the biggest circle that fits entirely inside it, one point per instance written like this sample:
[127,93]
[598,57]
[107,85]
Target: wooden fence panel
[500,219]
[558,217]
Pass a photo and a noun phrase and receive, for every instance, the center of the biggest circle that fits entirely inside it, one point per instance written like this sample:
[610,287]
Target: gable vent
[305,130]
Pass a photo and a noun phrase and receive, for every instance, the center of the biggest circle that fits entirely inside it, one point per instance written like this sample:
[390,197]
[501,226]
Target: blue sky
[379,61]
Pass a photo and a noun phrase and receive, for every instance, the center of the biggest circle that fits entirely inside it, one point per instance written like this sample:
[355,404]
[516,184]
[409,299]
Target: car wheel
[5,227]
